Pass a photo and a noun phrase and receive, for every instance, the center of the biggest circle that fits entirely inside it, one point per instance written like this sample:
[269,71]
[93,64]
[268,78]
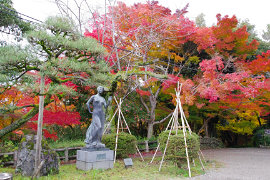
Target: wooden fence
[66,157]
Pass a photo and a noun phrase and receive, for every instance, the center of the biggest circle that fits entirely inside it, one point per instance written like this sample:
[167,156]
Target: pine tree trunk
[40,123]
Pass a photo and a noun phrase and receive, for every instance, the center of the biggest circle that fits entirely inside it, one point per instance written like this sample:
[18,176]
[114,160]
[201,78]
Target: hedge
[176,151]
[126,143]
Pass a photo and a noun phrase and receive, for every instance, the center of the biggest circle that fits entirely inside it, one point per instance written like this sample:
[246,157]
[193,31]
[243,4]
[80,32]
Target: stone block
[80,165]
[88,166]
[103,165]
[87,160]
[128,162]
[93,156]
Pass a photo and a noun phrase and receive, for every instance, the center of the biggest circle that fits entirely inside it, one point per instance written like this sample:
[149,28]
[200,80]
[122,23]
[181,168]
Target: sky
[255,11]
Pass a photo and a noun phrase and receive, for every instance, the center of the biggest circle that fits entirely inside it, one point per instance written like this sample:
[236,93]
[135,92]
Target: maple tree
[148,33]
[148,37]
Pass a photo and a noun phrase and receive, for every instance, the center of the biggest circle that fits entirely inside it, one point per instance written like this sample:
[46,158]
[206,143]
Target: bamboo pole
[202,155]
[201,161]
[165,148]
[117,132]
[159,143]
[111,119]
[186,147]
[182,111]
[131,134]
[36,172]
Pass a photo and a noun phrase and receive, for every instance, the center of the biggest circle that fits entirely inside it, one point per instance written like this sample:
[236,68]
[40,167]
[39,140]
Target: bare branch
[164,119]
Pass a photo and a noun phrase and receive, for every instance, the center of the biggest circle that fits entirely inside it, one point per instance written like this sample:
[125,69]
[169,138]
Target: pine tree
[59,53]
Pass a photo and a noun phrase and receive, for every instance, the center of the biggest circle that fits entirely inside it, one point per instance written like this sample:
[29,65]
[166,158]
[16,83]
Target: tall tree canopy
[58,52]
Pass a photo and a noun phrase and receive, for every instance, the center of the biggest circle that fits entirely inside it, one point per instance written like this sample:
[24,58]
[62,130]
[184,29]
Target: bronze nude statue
[95,130]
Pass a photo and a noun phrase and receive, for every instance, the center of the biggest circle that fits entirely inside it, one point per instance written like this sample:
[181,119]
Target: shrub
[66,133]
[126,143]
[261,138]
[7,146]
[210,143]
[176,147]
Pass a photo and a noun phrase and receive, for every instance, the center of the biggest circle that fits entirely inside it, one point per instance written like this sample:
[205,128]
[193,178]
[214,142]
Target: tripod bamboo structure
[174,125]
[120,121]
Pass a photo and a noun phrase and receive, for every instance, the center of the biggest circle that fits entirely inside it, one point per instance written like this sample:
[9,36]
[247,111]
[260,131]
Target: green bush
[176,151]
[126,143]
[261,138]
[68,133]
[7,146]
[210,143]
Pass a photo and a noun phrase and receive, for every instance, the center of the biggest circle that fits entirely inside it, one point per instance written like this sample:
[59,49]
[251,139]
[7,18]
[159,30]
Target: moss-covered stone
[26,157]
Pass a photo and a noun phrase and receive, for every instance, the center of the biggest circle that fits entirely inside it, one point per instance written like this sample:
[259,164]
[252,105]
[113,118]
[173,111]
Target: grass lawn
[140,170]
[66,143]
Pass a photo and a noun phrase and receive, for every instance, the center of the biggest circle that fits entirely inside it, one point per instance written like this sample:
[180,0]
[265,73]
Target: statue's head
[100,89]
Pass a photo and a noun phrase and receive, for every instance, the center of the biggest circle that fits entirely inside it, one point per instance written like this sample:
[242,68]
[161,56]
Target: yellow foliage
[129,47]
[178,58]
[194,59]
[244,122]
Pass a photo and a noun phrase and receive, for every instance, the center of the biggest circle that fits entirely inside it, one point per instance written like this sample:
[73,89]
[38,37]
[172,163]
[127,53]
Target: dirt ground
[238,164]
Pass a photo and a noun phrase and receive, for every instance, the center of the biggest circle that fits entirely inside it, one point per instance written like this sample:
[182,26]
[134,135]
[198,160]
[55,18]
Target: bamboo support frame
[119,121]
[117,132]
[201,161]
[159,143]
[174,125]
[202,156]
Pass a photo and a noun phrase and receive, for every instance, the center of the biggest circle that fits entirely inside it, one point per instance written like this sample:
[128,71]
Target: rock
[26,158]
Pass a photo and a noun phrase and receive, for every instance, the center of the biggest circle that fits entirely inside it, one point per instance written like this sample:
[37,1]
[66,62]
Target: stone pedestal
[94,159]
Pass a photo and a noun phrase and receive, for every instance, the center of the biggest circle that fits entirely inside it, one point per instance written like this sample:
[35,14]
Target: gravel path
[238,164]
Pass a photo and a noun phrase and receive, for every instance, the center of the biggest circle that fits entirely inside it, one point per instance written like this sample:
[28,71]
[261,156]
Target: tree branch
[144,104]
[164,119]
[15,125]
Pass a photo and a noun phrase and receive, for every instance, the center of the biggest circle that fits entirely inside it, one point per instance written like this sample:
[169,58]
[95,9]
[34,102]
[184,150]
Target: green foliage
[10,21]
[58,24]
[193,59]
[266,34]
[6,146]
[261,138]
[14,62]
[176,147]
[68,133]
[210,143]
[200,21]
[135,115]
[126,143]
